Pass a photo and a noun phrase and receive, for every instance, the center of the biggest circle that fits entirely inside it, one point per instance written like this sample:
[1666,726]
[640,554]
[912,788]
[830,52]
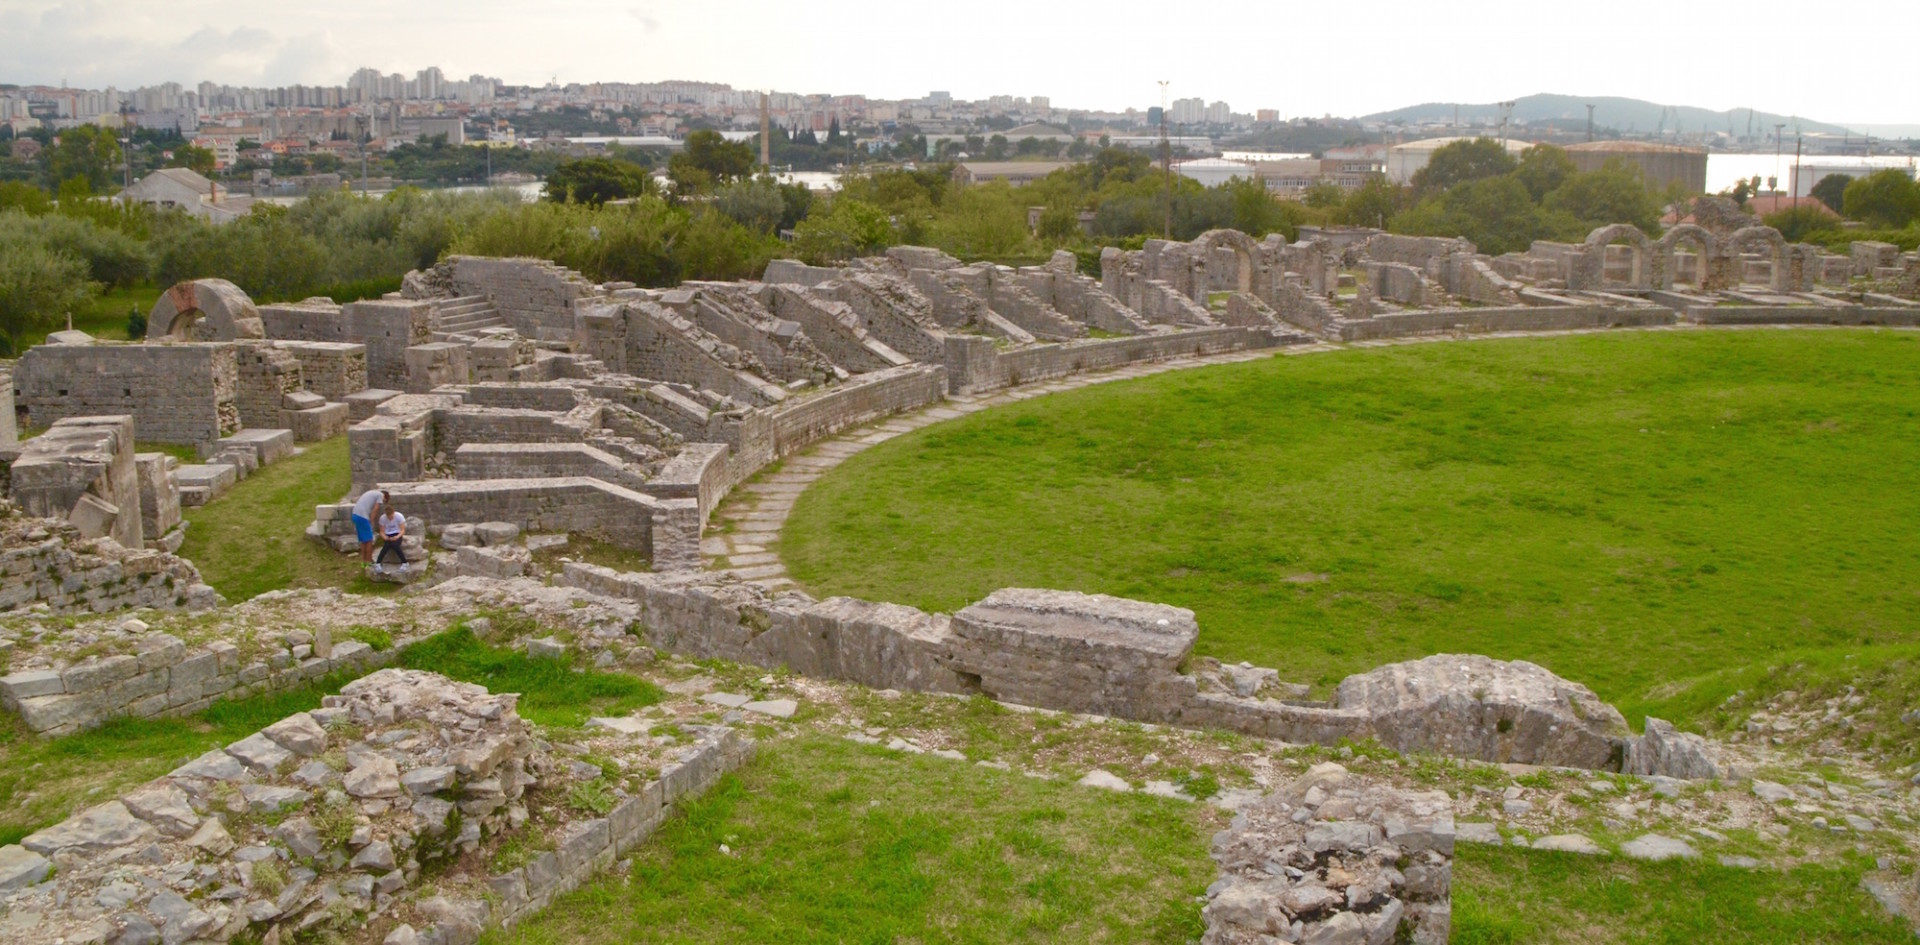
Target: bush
[38,288]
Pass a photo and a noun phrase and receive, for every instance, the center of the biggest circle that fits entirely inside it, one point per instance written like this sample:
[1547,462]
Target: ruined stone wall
[796,425]
[592,847]
[1128,659]
[176,393]
[697,472]
[167,678]
[1413,251]
[1805,315]
[561,504]
[384,327]
[82,471]
[554,398]
[795,272]
[891,310]
[265,376]
[389,448]
[454,427]
[663,346]
[974,364]
[833,328]
[47,561]
[537,460]
[331,369]
[535,297]
[1529,318]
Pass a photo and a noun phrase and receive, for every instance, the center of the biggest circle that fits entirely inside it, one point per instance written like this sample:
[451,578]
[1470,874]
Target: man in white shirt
[393,533]
[364,508]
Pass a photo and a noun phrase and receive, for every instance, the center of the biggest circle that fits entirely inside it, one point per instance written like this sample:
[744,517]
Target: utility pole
[126,150]
[766,133]
[1166,163]
[1589,121]
[1796,171]
[1778,127]
[364,140]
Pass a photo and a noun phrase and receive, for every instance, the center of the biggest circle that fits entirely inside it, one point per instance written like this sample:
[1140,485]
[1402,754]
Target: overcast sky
[1303,58]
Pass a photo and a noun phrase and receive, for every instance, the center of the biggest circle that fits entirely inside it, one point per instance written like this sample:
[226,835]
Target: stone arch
[1595,251]
[1664,250]
[1246,255]
[1776,248]
[204,310]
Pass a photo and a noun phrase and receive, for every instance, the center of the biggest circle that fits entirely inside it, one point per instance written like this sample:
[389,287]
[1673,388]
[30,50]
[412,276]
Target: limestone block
[268,446]
[211,480]
[159,493]
[93,516]
[323,422]
[1477,707]
[363,404]
[301,400]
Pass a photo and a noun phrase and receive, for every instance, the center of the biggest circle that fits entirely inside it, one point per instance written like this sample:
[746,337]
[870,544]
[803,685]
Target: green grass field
[253,539]
[1629,510]
[828,841]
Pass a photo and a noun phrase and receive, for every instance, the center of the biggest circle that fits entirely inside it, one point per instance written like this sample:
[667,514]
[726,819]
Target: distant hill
[1622,114]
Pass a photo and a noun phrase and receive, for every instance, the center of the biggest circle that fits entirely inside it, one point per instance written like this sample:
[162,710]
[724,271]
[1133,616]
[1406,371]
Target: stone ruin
[324,822]
[507,402]
[1335,859]
[1133,660]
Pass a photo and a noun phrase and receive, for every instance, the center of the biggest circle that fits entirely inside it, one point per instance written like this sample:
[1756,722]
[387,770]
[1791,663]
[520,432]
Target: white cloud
[1304,59]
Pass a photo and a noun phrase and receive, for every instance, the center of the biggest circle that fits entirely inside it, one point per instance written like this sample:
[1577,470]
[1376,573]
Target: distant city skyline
[1301,60]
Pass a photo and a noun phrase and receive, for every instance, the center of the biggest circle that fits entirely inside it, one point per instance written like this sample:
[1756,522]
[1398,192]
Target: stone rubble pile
[323,820]
[47,565]
[1334,859]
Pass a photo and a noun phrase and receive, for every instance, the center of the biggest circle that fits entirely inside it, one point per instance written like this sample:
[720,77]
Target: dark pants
[393,545]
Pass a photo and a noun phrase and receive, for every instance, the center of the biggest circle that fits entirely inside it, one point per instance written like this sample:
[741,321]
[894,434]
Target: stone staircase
[465,315]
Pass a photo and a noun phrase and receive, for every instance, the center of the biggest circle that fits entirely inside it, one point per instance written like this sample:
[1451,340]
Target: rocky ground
[1807,797]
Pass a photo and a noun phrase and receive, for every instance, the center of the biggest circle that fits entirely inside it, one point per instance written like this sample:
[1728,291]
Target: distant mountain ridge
[1624,114]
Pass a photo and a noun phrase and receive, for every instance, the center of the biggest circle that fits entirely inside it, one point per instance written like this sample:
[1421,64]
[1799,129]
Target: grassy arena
[1631,510]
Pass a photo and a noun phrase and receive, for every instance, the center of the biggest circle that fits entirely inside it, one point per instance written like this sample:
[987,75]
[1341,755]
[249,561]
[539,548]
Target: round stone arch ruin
[204,310]
[1667,263]
[1776,244]
[1248,265]
[1590,264]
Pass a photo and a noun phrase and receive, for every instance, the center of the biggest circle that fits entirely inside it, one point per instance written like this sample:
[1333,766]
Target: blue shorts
[363,529]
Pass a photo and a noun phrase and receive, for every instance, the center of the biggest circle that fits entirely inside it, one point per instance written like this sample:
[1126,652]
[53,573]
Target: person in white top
[393,533]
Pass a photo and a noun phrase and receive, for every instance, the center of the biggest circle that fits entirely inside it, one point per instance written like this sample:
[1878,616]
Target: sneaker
[379,569]
[404,568]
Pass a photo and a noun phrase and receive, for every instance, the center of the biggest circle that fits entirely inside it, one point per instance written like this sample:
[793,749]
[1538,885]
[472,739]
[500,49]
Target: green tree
[1463,162]
[87,152]
[1374,203]
[1543,168]
[596,180]
[1802,224]
[984,222]
[756,204]
[1832,191]
[1060,225]
[192,157]
[849,228]
[24,196]
[38,287]
[1616,193]
[708,160]
[1324,195]
[1889,199]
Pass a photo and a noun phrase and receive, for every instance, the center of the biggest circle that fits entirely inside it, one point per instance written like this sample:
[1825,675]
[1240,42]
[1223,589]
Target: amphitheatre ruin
[513,409]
